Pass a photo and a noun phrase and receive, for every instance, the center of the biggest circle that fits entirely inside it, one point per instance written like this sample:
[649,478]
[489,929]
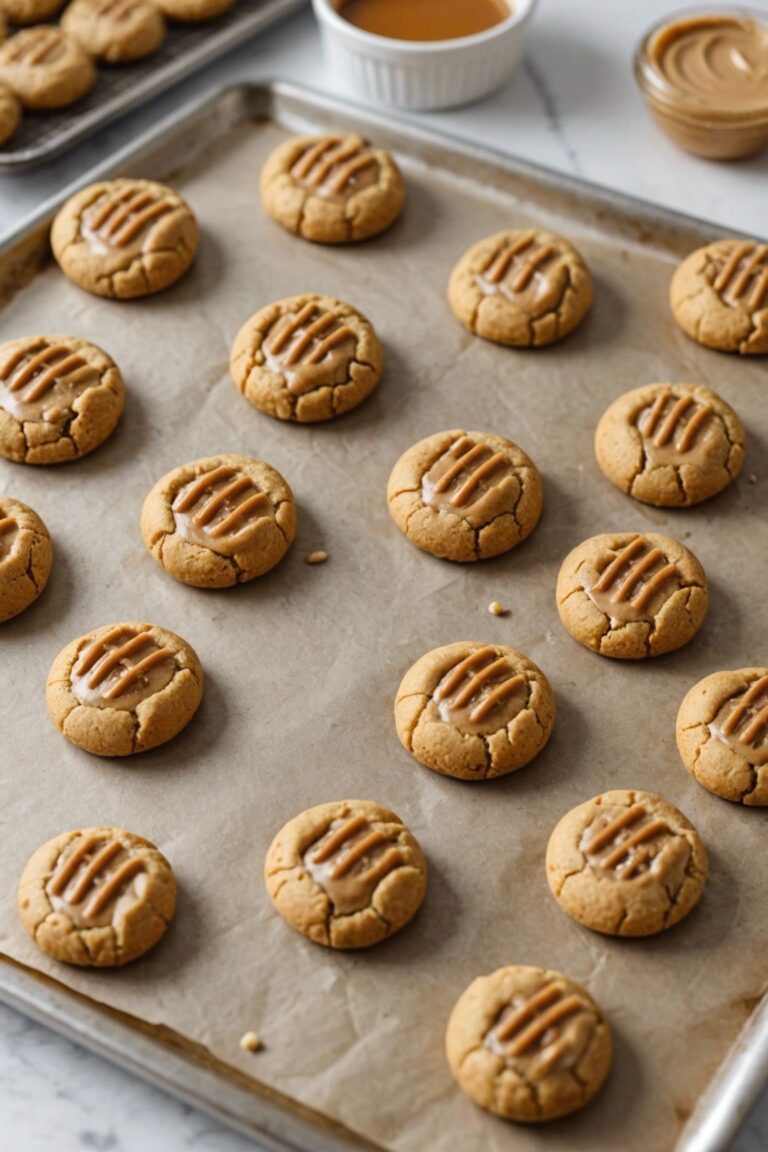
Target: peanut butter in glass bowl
[704,74]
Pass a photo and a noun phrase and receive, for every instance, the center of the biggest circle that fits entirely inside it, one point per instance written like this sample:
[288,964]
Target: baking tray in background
[187,48]
[303,664]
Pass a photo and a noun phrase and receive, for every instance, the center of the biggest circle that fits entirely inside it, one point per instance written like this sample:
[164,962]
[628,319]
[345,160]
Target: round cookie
[10,113]
[46,68]
[307,358]
[722,734]
[117,31]
[332,189]
[528,1044]
[219,521]
[124,689]
[719,296]
[630,595]
[97,897]
[672,445]
[60,398]
[347,875]
[465,495]
[26,556]
[125,238]
[521,288]
[626,864]
[28,11]
[474,711]
[194,11]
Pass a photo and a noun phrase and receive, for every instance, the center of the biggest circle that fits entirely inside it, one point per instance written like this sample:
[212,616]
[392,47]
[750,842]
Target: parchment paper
[302,667]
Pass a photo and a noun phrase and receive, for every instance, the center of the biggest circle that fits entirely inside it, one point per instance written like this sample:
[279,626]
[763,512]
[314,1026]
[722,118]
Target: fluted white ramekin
[418,75]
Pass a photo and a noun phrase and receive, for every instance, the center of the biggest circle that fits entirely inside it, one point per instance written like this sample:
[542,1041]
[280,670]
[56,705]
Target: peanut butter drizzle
[542,1033]
[42,382]
[464,476]
[482,693]
[518,269]
[37,46]
[116,9]
[310,350]
[639,593]
[336,168]
[8,532]
[350,861]
[742,723]
[632,852]
[124,220]
[92,885]
[221,510]
[113,673]
[743,280]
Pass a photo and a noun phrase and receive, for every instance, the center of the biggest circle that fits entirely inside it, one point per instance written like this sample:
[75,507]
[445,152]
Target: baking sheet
[303,664]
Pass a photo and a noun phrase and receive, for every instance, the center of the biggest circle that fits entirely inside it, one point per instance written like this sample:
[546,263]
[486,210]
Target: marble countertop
[574,107]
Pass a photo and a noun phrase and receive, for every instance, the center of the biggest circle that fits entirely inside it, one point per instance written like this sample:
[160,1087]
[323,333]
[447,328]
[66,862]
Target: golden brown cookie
[630,595]
[307,358]
[125,238]
[194,11]
[672,445]
[332,189]
[46,68]
[346,875]
[474,711]
[465,495]
[124,688]
[528,1044]
[26,556]
[722,734]
[219,521]
[522,288]
[60,398]
[10,113]
[97,897]
[117,31]
[626,863]
[29,11]
[719,296]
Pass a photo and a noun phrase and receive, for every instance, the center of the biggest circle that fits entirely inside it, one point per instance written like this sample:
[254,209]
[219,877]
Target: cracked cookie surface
[26,556]
[307,358]
[46,68]
[719,296]
[117,31]
[332,189]
[722,734]
[465,496]
[219,521]
[631,595]
[125,238]
[521,288]
[10,112]
[626,863]
[124,688]
[97,897]
[474,711]
[528,1044]
[672,445]
[60,398]
[347,874]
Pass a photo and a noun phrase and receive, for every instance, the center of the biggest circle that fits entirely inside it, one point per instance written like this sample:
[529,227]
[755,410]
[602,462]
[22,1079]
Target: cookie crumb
[316,558]
[497,609]
[251,1042]
[752,478]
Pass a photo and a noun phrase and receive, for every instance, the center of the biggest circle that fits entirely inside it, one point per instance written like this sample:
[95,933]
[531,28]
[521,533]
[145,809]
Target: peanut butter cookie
[307,358]
[465,495]
[46,68]
[125,238]
[124,689]
[528,1044]
[474,711]
[97,897]
[722,734]
[347,875]
[524,288]
[26,556]
[219,521]
[29,11]
[672,445]
[10,113]
[332,189]
[60,398]
[630,595]
[719,296]
[117,31]
[626,864]
[194,11]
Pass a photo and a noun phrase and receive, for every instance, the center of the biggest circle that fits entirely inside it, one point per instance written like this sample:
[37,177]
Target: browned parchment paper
[302,668]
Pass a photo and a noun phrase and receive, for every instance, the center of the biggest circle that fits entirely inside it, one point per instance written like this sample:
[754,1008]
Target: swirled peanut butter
[542,1033]
[715,64]
[121,669]
[350,861]
[95,881]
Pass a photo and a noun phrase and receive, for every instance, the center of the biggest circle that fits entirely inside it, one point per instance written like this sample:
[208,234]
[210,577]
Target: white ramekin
[418,75]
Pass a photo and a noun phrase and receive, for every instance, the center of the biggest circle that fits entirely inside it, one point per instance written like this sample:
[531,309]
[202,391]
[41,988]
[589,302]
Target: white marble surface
[573,107]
